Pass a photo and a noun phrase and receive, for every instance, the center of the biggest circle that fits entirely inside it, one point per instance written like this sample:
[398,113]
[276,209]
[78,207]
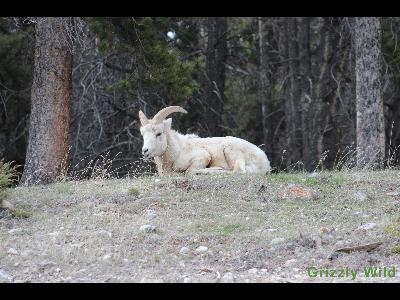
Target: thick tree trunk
[319,104]
[292,110]
[265,87]
[305,71]
[216,55]
[50,103]
[370,121]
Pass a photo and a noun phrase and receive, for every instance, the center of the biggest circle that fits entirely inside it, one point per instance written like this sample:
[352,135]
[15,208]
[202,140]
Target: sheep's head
[155,131]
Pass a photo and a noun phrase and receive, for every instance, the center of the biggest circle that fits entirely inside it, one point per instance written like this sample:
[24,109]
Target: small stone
[393,194]
[367,226]
[339,244]
[228,278]
[327,239]
[58,270]
[360,196]
[14,230]
[147,228]
[277,241]
[184,250]
[187,280]
[4,276]
[12,251]
[290,262]
[252,271]
[151,214]
[201,249]
[107,257]
[315,175]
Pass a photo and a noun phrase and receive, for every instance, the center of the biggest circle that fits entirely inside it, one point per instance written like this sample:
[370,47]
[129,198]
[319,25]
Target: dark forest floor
[220,228]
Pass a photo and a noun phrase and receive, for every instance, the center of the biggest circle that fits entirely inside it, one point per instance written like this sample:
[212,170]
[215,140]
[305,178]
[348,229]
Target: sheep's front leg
[201,161]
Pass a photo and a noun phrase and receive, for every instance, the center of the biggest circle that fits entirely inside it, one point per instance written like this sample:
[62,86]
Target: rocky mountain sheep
[177,153]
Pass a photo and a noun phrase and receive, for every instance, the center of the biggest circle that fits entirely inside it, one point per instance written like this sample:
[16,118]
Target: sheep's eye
[158,134]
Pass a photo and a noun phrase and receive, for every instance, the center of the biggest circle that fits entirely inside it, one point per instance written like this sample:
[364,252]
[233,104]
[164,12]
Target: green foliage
[20,213]
[392,230]
[133,191]
[159,67]
[8,173]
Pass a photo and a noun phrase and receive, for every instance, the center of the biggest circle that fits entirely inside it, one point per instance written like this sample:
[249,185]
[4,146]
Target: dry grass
[89,231]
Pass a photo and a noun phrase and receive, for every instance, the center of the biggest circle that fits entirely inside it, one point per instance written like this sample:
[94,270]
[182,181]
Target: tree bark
[216,55]
[265,87]
[50,103]
[305,71]
[292,111]
[369,102]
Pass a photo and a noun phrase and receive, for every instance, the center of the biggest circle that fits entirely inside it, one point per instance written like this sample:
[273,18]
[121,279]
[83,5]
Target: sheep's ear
[143,118]
[167,123]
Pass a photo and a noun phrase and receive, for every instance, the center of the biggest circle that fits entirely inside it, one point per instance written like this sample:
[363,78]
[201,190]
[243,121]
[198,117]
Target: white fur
[177,153]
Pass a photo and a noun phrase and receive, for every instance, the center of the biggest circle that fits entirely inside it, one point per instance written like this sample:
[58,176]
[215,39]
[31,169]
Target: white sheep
[177,153]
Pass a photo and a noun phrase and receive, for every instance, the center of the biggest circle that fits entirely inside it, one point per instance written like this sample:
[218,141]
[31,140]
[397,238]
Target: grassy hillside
[219,228]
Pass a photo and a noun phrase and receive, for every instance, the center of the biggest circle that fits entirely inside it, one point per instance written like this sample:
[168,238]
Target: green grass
[396,249]
[226,213]
[133,191]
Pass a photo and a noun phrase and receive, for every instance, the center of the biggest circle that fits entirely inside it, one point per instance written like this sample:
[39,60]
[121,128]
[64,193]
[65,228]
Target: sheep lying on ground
[177,153]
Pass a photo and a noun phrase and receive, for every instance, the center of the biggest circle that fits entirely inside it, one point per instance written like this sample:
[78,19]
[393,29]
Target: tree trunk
[305,71]
[265,87]
[292,111]
[216,55]
[50,103]
[370,121]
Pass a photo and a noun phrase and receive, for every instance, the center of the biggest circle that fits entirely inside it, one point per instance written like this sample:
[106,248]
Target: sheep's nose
[144,151]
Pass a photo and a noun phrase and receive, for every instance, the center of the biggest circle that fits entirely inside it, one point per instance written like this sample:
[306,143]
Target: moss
[20,213]
[133,191]
[392,230]
[395,249]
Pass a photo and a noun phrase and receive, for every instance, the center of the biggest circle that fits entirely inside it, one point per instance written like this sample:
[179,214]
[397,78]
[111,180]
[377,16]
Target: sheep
[174,152]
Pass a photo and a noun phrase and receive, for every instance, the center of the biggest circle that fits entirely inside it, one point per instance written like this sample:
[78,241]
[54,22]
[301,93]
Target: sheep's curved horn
[165,112]
[143,118]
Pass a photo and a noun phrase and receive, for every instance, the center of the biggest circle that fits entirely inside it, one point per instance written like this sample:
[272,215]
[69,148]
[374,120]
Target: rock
[326,229]
[228,278]
[327,239]
[367,226]
[5,276]
[252,271]
[12,251]
[14,230]
[393,194]
[277,241]
[187,280]
[184,250]
[290,262]
[339,244]
[360,196]
[315,175]
[7,205]
[201,249]
[147,228]
[107,257]
[298,192]
[151,214]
